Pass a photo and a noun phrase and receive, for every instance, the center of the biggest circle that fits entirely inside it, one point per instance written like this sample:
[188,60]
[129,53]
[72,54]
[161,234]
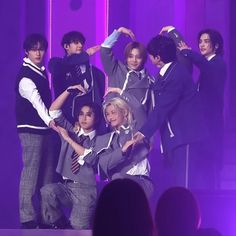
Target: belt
[143,177]
[65,181]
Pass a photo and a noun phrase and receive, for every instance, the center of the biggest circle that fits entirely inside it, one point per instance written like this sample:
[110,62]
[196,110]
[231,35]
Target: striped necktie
[78,71]
[75,166]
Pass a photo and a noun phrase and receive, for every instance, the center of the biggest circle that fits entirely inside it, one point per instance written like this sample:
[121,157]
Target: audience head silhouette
[208,232]
[122,210]
[177,213]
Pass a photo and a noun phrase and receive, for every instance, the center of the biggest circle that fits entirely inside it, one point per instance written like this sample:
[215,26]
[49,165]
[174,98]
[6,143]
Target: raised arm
[127,32]
[173,34]
[110,63]
[93,50]
[80,150]
[60,100]
[179,40]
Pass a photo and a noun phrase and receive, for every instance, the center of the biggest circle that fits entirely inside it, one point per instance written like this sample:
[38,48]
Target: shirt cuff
[170,29]
[55,113]
[111,39]
[48,120]
[81,158]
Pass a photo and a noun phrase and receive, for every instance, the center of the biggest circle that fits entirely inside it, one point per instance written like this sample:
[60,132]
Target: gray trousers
[80,198]
[39,164]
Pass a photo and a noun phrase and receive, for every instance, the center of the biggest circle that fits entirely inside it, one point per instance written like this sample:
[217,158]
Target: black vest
[26,114]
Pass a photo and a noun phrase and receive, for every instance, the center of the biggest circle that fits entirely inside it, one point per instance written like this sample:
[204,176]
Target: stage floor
[44,232]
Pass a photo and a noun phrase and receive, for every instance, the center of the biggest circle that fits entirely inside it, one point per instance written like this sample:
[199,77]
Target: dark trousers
[178,161]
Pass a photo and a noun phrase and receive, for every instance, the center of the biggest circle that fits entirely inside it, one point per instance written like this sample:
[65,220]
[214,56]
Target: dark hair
[162,46]
[32,40]
[122,209]
[177,213]
[96,110]
[72,37]
[143,52]
[216,40]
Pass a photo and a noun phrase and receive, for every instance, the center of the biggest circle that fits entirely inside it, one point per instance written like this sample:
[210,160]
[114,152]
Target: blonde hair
[121,106]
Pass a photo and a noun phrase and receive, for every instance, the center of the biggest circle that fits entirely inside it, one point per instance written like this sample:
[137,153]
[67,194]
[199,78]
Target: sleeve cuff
[172,28]
[81,158]
[111,39]
[55,113]
[48,120]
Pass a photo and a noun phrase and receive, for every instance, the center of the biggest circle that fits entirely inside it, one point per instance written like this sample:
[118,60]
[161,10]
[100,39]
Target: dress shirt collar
[124,128]
[164,68]
[28,61]
[210,57]
[140,73]
[90,134]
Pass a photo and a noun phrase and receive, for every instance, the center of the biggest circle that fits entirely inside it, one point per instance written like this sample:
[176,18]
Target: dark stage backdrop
[97,18]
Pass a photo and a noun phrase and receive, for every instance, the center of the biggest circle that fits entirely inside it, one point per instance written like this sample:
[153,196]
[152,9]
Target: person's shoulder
[104,136]
[218,63]
[102,142]
[54,64]
[26,70]
[218,58]
[77,59]
[181,70]
[180,66]
[55,60]
[97,71]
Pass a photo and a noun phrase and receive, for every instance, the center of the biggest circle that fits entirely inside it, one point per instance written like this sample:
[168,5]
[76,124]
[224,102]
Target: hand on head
[182,45]
[78,87]
[127,32]
[165,29]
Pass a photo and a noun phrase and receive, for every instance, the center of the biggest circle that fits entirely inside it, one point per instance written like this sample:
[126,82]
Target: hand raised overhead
[127,32]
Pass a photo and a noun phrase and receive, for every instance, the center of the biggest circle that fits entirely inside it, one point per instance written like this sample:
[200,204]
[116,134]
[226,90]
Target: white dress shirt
[29,91]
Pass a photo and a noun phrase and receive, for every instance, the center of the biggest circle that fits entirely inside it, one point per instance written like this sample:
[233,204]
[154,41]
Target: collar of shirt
[83,68]
[122,127]
[90,134]
[27,60]
[140,72]
[164,68]
[210,57]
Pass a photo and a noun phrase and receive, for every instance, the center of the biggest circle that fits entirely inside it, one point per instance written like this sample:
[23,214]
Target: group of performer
[108,133]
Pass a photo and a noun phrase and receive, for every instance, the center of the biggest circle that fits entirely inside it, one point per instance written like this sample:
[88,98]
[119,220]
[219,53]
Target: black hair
[162,46]
[122,209]
[95,108]
[216,40]
[32,40]
[177,213]
[73,37]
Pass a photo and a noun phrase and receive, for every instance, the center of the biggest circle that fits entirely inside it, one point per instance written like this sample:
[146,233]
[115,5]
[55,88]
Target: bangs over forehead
[141,48]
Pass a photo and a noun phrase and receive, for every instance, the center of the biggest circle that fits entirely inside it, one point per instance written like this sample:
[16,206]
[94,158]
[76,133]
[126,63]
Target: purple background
[96,18]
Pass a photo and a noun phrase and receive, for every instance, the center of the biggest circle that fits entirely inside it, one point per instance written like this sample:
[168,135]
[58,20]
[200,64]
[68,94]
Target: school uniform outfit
[178,117]
[33,98]
[135,85]
[211,86]
[72,70]
[113,164]
[78,189]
